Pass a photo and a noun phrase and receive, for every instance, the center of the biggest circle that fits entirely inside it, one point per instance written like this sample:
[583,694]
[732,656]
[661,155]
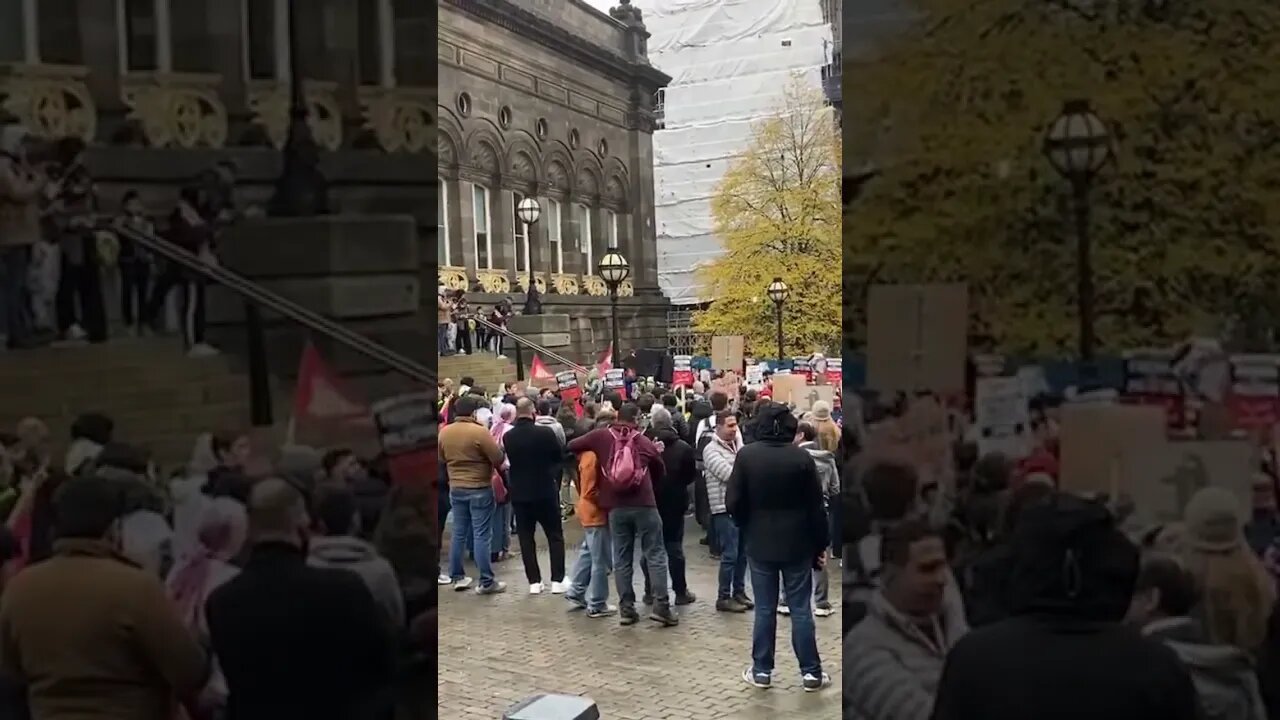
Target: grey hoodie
[1223,674]
[828,471]
[556,427]
[361,558]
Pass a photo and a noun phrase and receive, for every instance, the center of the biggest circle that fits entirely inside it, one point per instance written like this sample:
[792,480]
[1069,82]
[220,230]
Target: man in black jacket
[775,498]
[672,495]
[294,640]
[535,455]
[1071,579]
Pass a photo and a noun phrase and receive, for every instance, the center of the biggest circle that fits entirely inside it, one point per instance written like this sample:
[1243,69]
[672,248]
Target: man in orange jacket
[589,579]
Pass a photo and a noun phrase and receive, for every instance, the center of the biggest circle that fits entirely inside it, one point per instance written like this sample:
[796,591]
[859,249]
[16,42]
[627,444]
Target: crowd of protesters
[237,586]
[630,463]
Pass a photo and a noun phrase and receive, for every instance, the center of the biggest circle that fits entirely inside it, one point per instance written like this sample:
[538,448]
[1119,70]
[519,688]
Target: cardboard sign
[1254,399]
[922,437]
[1094,438]
[406,423]
[613,379]
[727,351]
[728,385]
[917,338]
[1000,411]
[786,388]
[755,376]
[682,370]
[805,398]
[1162,477]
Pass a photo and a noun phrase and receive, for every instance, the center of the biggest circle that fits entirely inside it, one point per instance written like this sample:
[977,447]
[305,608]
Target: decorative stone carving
[484,158]
[453,278]
[615,191]
[626,289]
[269,103]
[594,285]
[494,281]
[558,176]
[178,110]
[402,119]
[565,284]
[523,167]
[539,279]
[52,101]
[588,186]
[446,151]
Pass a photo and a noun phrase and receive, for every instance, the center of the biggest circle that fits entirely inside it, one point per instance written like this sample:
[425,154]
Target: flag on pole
[325,410]
[538,371]
[606,361]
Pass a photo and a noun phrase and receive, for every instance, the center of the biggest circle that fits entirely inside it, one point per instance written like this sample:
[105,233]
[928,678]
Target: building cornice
[555,38]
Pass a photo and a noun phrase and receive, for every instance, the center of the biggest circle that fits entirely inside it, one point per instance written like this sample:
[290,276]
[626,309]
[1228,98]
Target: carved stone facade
[553,101]
[213,74]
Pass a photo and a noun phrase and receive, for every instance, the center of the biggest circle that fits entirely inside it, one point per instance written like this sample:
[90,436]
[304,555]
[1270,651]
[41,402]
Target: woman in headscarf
[1238,595]
[501,524]
[221,535]
[20,190]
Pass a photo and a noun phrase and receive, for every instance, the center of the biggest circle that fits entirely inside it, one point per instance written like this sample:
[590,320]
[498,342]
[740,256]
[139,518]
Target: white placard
[1000,409]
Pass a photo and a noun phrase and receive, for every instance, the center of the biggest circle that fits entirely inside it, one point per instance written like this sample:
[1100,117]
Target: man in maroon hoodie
[633,514]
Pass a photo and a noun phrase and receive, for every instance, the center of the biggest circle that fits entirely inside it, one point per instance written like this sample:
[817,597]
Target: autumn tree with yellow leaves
[951,113]
[777,213]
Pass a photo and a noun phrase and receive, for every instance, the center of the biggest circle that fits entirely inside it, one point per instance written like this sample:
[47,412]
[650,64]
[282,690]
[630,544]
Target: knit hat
[821,410]
[1213,521]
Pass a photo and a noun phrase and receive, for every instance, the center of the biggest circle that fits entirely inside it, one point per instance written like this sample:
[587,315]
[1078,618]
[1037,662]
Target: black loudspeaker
[666,370]
[646,362]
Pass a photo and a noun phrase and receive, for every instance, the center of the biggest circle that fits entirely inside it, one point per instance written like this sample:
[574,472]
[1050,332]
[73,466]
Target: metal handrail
[531,345]
[257,297]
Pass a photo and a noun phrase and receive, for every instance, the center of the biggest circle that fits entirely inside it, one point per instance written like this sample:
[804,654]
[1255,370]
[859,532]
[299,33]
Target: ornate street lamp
[301,190]
[1078,145]
[613,269]
[778,293]
[529,211]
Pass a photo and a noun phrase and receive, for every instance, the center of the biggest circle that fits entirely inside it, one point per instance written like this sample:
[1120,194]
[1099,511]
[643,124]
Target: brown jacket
[19,204]
[94,637]
[470,454]
[589,513]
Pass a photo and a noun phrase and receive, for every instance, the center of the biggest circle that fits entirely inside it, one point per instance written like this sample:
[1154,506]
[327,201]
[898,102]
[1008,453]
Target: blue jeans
[472,515]
[442,339]
[14,320]
[797,584]
[733,558]
[589,579]
[626,526]
[501,528]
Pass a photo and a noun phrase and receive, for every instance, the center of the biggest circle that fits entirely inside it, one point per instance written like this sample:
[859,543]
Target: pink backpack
[627,472]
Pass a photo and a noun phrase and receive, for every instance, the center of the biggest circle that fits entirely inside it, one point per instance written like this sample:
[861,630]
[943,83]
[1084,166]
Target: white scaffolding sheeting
[729,61]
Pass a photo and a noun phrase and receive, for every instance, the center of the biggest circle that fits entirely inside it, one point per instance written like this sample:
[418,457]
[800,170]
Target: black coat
[298,641]
[672,493]
[775,496]
[535,455]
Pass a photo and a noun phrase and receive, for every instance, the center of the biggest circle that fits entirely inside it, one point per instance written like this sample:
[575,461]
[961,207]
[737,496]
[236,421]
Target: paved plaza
[497,650]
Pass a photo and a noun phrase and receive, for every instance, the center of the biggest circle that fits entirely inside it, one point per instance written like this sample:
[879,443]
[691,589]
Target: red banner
[606,361]
[326,411]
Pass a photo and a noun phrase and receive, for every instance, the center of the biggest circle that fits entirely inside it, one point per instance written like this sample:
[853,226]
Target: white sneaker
[824,611]
[75,332]
[784,610]
[203,350]
[558,588]
[535,589]
[462,584]
[502,357]
[443,579]
[462,352]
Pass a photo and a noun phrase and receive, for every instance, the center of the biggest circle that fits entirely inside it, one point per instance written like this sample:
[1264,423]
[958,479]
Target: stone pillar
[101,49]
[227,31]
[642,235]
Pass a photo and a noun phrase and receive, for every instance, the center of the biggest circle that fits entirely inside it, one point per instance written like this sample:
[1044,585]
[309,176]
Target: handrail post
[519,361]
[259,374]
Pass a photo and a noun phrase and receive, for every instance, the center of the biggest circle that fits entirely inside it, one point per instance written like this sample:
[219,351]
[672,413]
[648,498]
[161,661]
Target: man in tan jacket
[471,458]
[87,633]
[20,189]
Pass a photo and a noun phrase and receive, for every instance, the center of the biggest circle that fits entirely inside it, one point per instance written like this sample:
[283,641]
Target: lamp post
[301,190]
[529,211]
[778,293]
[1078,145]
[613,269]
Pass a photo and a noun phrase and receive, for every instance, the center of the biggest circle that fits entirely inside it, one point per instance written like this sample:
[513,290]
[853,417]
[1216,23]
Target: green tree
[777,213]
[952,112]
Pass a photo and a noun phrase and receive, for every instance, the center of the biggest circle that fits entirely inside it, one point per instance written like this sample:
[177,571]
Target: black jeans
[79,299]
[193,303]
[134,278]
[547,514]
[673,541]
[463,341]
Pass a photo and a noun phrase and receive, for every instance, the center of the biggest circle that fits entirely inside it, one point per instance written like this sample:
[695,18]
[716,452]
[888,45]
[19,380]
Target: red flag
[538,370]
[606,361]
[325,410]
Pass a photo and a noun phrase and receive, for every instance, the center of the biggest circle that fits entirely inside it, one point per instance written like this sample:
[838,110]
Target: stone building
[551,99]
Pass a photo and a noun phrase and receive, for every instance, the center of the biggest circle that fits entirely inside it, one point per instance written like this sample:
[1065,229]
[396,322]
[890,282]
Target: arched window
[554,243]
[482,237]
[585,239]
[442,223]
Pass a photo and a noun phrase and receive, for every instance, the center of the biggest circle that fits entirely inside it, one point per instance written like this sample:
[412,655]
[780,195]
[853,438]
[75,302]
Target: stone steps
[489,372]
[157,397]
